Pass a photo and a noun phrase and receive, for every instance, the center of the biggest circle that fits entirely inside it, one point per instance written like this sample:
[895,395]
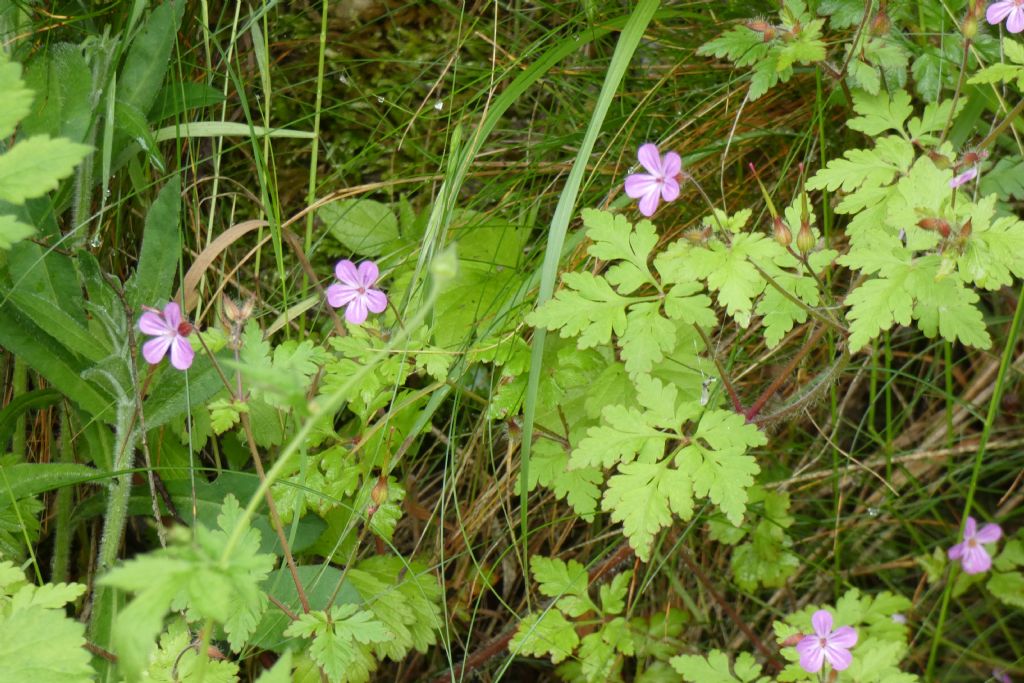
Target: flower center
[823,642]
[362,290]
[973,542]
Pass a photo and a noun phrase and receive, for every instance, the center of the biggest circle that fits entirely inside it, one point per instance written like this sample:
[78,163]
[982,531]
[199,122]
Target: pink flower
[660,182]
[975,557]
[1011,10]
[826,644]
[965,177]
[355,291]
[169,332]
[1001,676]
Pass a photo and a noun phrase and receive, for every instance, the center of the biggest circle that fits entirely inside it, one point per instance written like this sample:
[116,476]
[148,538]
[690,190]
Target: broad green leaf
[12,230]
[30,479]
[281,671]
[39,644]
[686,302]
[616,240]
[1008,587]
[62,82]
[35,166]
[362,226]
[17,97]
[946,308]
[63,328]
[724,471]
[148,58]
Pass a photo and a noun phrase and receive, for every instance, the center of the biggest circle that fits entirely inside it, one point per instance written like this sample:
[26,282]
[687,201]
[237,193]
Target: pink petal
[650,158]
[1015,24]
[153,323]
[368,273]
[976,560]
[671,164]
[376,300]
[822,623]
[844,636]
[838,657]
[346,272]
[990,533]
[965,177]
[181,353]
[172,316]
[812,655]
[640,184]
[669,189]
[649,203]
[356,311]
[956,551]
[153,350]
[339,295]
[998,11]
[970,528]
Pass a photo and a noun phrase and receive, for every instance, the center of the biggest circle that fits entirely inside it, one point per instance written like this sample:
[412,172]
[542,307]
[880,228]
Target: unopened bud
[231,310]
[966,229]
[767,30]
[970,27]
[973,157]
[880,23]
[782,233]
[379,494]
[805,238]
[793,640]
[940,225]
[940,160]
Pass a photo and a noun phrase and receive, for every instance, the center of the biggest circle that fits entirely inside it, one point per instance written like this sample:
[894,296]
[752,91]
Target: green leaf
[647,339]
[335,638]
[616,240]
[881,112]
[567,582]
[625,434]
[643,497]
[588,308]
[945,307]
[17,97]
[715,668]
[877,305]
[808,47]
[865,168]
[549,467]
[281,671]
[177,661]
[12,230]
[363,226]
[40,644]
[686,302]
[35,166]
[722,470]
[545,635]
[62,81]
[161,248]
[739,45]
[148,58]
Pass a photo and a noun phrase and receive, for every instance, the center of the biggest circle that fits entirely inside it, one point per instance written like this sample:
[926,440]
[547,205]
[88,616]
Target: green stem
[20,387]
[990,418]
[62,522]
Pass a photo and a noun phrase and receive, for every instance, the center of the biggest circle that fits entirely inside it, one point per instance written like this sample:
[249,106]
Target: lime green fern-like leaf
[643,497]
[548,634]
[648,338]
[567,582]
[877,305]
[880,112]
[588,307]
[616,240]
[716,669]
[865,167]
[740,45]
[549,467]
[624,434]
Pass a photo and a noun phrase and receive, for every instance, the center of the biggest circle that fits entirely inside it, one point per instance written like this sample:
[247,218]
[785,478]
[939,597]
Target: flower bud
[379,494]
[805,238]
[782,233]
[793,640]
[940,160]
[940,225]
[966,229]
[970,27]
[767,30]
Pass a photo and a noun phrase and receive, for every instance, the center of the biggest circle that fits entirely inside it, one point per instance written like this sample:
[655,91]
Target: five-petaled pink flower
[660,182]
[971,553]
[170,332]
[826,644]
[1011,10]
[965,177]
[355,290]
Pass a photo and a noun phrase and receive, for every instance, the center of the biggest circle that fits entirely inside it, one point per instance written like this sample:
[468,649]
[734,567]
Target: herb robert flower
[971,553]
[356,292]
[826,644]
[169,332]
[660,182]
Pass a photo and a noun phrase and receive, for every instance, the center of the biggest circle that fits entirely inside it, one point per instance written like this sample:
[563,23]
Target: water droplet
[343,80]
[95,242]
[380,100]
[874,512]
[576,37]
[439,105]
